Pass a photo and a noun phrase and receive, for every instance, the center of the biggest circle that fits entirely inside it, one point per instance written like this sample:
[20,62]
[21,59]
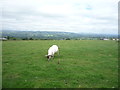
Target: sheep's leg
[53,56]
[58,52]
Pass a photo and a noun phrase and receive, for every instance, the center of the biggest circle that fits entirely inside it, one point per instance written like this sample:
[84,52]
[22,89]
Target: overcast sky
[91,16]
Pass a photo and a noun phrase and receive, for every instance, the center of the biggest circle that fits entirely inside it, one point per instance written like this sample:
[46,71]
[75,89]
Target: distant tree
[8,37]
[25,39]
[30,38]
[67,38]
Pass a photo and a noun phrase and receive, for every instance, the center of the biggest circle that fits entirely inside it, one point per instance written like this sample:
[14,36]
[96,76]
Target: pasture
[83,64]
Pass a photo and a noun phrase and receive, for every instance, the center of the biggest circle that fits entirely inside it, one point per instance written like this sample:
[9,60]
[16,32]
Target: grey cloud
[81,17]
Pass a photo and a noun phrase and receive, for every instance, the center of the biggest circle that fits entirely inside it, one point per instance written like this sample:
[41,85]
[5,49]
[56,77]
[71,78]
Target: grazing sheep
[51,51]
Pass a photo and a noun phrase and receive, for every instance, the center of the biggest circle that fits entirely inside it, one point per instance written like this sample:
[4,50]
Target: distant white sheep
[51,51]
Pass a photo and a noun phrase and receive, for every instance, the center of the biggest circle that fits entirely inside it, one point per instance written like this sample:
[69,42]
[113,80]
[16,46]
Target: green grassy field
[83,64]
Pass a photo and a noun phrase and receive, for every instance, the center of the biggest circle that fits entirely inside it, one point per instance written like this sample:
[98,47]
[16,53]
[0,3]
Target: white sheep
[51,51]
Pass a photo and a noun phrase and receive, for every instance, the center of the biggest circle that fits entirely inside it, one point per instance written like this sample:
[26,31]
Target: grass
[83,64]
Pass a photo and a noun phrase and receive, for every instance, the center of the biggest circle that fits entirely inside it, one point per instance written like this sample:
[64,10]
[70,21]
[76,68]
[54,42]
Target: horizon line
[62,31]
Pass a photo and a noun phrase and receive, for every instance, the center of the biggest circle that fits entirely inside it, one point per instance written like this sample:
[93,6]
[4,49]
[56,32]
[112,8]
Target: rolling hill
[52,35]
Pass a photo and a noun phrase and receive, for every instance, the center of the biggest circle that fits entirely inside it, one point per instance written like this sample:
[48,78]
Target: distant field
[83,64]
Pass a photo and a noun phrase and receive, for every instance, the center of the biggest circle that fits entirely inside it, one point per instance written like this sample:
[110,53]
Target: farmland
[83,64]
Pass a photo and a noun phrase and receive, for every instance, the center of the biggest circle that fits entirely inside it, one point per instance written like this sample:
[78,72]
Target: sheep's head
[48,57]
